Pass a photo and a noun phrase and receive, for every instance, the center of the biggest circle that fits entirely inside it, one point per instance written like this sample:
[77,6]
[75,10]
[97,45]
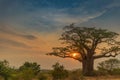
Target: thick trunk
[87,67]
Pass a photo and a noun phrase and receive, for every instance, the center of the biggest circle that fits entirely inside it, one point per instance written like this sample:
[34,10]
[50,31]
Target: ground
[104,78]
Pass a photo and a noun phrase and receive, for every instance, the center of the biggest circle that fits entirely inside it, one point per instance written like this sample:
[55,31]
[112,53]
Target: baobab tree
[87,44]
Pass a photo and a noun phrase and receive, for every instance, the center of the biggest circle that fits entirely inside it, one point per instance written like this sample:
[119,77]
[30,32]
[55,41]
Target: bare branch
[64,56]
[112,52]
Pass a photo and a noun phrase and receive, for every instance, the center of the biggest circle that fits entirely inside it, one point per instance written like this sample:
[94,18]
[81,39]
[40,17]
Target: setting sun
[75,54]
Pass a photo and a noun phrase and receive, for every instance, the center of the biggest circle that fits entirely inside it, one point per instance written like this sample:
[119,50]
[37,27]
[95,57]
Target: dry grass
[103,78]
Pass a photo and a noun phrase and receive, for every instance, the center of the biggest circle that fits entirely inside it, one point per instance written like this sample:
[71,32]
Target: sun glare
[74,54]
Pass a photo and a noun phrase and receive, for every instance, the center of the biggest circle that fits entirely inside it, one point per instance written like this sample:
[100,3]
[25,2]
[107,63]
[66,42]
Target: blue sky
[47,14]
[32,27]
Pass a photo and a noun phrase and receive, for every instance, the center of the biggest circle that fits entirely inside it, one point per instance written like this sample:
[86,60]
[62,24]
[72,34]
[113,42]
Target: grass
[103,78]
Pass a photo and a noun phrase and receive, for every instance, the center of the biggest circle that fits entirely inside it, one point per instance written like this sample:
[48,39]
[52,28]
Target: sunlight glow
[74,54]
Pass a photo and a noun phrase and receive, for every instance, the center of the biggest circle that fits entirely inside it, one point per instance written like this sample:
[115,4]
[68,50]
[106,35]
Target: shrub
[43,77]
[111,66]
[59,72]
[76,75]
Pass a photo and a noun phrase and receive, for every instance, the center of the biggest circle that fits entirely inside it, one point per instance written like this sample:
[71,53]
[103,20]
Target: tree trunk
[88,67]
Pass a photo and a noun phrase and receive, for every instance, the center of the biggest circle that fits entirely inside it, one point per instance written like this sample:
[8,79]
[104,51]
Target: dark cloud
[13,43]
[12,31]
[30,37]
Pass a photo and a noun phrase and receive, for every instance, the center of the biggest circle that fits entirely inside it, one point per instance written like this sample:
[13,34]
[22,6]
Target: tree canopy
[89,43]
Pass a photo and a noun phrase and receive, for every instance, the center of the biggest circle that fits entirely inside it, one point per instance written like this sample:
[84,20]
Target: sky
[30,28]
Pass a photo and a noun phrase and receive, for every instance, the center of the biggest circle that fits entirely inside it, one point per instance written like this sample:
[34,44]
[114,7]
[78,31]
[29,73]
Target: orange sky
[30,28]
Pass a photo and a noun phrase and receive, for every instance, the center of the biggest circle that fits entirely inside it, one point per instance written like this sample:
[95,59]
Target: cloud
[11,38]
[12,31]
[49,20]
[30,37]
[68,19]
[13,43]
[39,19]
[42,18]
[114,4]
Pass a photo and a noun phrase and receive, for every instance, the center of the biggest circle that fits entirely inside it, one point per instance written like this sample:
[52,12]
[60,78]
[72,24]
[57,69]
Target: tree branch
[64,56]
[109,53]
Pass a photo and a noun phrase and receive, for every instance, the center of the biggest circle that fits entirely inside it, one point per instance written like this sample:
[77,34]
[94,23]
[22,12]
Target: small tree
[87,44]
[28,70]
[32,66]
[4,69]
[59,72]
[109,65]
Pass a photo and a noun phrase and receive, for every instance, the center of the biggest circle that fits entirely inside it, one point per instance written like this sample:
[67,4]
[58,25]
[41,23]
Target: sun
[74,54]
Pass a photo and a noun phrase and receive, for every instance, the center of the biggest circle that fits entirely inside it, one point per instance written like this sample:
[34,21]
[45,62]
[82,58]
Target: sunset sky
[30,28]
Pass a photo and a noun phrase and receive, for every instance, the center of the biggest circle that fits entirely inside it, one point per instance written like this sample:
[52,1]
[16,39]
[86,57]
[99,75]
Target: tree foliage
[5,69]
[28,71]
[59,72]
[30,66]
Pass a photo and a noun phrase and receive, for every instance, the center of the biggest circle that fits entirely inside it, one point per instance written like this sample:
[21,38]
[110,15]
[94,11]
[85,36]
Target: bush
[5,70]
[100,72]
[34,67]
[116,72]
[76,75]
[59,72]
[43,77]
[27,71]
[111,66]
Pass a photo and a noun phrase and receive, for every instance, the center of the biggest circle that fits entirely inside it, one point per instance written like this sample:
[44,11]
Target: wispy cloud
[15,39]
[13,43]
[49,20]
[68,19]
[11,31]
[114,4]
[43,18]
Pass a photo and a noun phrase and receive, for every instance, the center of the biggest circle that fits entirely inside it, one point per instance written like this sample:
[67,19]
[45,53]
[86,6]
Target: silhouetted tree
[28,70]
[89,43]
[59,72]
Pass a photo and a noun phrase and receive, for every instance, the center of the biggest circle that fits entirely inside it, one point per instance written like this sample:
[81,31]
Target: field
[90,78]
[103,78]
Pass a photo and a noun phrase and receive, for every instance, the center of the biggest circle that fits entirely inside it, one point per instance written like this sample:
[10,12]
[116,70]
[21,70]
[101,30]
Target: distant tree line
[32,70]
